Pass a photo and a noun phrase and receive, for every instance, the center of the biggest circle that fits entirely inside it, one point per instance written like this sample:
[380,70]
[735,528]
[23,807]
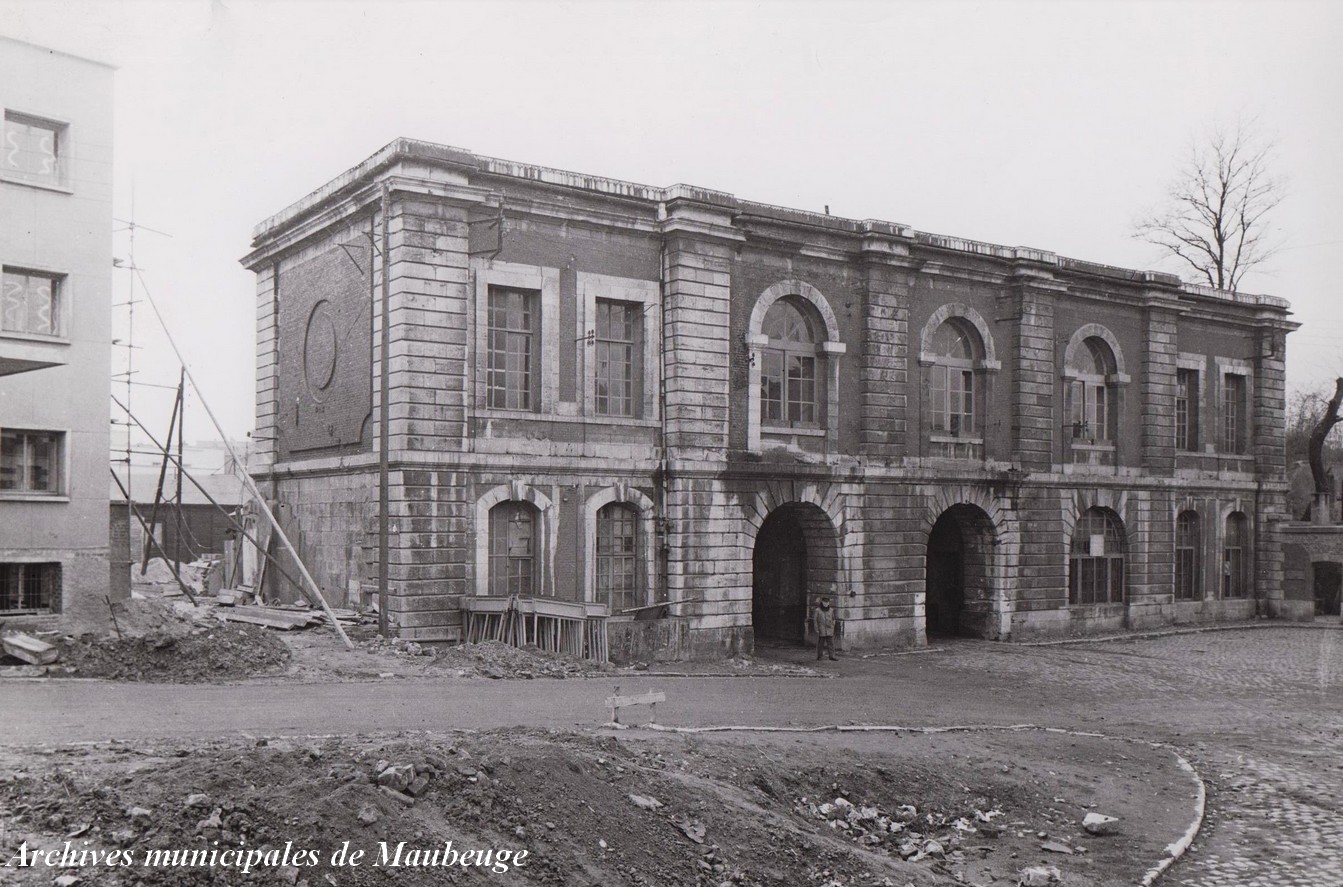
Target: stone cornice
[720,215]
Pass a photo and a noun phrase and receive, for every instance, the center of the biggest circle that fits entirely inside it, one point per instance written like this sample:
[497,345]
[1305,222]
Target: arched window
[1096,564]
[1187,572]
[1091,404]
[956,348]
[617,563]
[788,380]
[513,548]
[1236,556]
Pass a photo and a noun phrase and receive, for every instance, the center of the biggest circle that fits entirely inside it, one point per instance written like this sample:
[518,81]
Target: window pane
[29,303]
[30,148]
[771,387]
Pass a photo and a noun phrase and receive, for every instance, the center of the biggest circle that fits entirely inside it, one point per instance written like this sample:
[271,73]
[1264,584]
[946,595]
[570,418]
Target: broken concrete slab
[29,649]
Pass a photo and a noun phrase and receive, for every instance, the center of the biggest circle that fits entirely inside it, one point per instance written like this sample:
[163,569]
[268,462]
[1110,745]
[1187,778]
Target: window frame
[784,353]
[829,351]
[500,556]
[1186,410]
[1091,400]
[545,363]
[604,592]
[645,295]
[49,578]
[1235,396]
[59,178]
[501,350]
[632,377]
[1188,556]
[59,468]
[1236,559]
[59,309]
[1104,565]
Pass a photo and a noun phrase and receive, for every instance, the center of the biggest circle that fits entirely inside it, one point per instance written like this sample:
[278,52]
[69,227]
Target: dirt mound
[595,810]
[177,653]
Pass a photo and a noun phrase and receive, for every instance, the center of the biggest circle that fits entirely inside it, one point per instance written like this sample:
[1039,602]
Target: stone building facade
[626,395]
[55,332]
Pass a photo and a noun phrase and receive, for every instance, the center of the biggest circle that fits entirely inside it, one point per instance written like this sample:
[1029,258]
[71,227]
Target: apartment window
[31,148]
[1187,574]
[511,371]
[617,556]
[27,588]
[619,341]
[1236,556]
[1234,413]
[30,302]
[788,373]
[513,548]
[1186,410]
[955,347]
[1090,406]
[30,462]
[1096,563]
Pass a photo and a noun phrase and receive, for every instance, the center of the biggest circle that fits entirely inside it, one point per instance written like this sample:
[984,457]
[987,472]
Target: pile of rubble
[492,659]
[912,836]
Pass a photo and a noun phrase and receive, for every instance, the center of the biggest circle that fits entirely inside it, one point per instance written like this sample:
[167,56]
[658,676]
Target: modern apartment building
[55,316]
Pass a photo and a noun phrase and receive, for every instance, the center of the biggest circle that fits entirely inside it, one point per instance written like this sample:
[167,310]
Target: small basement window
[29,588]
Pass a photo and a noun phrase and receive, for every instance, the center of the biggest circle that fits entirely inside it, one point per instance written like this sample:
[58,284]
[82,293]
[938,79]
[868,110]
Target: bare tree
[1319,434]
[1215,219]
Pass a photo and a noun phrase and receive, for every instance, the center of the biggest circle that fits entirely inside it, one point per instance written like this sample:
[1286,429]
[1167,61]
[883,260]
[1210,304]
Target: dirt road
[1258,711]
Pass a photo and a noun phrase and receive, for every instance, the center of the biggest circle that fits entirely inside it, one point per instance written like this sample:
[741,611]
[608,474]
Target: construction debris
[29,649]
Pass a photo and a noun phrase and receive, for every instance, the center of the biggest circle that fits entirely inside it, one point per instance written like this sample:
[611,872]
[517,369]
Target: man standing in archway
[823,620]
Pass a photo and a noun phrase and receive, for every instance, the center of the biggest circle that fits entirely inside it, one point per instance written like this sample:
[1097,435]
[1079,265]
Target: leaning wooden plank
[278,624]
[297,617]
[30,649]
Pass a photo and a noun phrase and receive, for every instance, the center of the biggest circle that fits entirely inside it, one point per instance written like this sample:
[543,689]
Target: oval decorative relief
[319,350]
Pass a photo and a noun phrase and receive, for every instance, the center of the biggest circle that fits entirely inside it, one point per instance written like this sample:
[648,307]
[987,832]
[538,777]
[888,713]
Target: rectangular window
[1186,410]
[28,588]
[30,462]
[30,302]
[1233,413]
[619,370]
[31,148]
[510,376]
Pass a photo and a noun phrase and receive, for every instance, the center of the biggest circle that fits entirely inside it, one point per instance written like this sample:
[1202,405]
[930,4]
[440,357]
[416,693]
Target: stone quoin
[626,395]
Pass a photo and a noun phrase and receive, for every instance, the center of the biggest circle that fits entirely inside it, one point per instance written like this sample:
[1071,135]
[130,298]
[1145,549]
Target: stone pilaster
[1159,357]
[1030,309]
[885,358]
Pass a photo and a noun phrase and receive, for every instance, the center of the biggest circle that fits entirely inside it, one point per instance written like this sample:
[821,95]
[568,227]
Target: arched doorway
[779,584]
[956,577]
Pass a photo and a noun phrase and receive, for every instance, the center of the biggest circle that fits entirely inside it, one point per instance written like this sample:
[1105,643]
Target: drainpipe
[383,436]
[664,549]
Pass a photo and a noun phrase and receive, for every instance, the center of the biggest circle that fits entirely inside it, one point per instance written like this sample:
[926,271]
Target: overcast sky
[1051,125]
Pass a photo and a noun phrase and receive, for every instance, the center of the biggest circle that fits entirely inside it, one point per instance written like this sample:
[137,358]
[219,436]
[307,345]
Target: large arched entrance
[956,577]
[794,562]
